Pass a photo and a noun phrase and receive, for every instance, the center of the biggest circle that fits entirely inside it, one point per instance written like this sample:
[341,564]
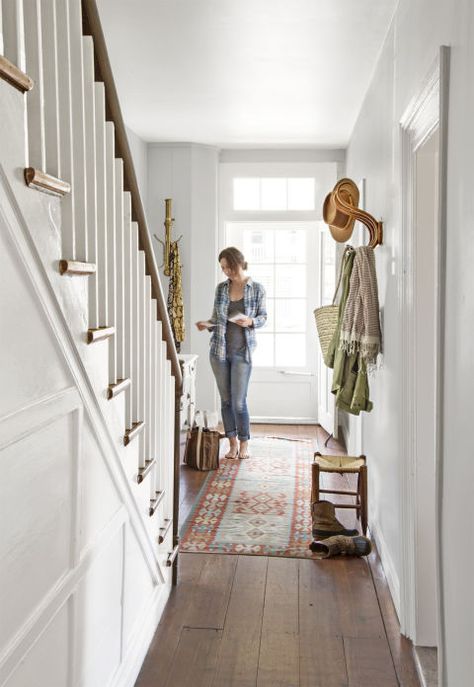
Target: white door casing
[422,384]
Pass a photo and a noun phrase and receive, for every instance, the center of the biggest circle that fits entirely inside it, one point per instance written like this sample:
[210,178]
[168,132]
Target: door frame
[427,112]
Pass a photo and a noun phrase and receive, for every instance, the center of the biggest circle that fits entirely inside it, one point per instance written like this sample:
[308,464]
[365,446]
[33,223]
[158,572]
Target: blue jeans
[232,377]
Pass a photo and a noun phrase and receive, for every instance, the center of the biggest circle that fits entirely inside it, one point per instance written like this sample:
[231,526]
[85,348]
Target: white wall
[139,150]
[412,45]
[187,173]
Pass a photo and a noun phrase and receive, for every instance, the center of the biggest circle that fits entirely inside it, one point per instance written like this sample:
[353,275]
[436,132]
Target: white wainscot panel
[99,497]
[47,662]
[27,342]
[139,587]
[36,517]
[98,615]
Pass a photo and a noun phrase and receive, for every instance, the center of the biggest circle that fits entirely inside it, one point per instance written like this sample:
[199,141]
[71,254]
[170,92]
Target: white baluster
[135,314]
[34,69]
[168,507]
[111,247]
[120,276]
[141,351]
[89,123]
[172,443]
[163,394]
[158,407]
[128,304]
[99,102]
[14,32]
[49,32]
[66,134]
[2,45]
[148,370]
[153,388]
[78,121]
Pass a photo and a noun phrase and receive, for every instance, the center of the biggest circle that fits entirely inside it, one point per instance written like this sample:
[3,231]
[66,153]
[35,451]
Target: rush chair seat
[342,464]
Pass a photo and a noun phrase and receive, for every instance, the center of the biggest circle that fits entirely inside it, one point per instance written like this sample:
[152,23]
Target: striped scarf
[361,331]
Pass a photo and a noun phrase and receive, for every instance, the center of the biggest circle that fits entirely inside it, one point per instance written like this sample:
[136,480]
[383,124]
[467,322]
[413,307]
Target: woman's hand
[245,322]
[201,325]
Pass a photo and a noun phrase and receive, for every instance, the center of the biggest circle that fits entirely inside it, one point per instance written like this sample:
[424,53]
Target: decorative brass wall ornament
[167,242]
[340,212]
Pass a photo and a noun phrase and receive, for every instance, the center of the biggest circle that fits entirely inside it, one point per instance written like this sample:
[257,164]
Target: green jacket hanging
[350,384]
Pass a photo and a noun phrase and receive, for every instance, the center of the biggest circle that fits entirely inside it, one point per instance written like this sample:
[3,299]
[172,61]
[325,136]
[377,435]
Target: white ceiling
[254,73]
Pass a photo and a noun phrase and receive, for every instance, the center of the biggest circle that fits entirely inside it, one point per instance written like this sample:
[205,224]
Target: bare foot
[244,450]
[233,451]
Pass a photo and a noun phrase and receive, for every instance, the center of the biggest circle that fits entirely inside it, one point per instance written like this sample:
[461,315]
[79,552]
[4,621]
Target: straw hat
[340,224]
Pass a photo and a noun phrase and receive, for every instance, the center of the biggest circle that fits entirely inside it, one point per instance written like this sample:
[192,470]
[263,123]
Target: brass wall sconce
[167,242]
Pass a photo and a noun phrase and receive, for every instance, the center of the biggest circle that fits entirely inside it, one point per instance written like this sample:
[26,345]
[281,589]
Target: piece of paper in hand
[237,316]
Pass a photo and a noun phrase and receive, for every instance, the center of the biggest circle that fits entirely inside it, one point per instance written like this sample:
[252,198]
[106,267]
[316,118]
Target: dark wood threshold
[75,267]
[133,432]
[164,530]
[154,503]
[10,73]
[100,333]
[143,472]
[116,389]
[42,181]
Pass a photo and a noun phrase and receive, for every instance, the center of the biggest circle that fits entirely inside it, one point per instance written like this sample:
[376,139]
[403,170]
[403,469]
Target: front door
[327,280]
[283,256]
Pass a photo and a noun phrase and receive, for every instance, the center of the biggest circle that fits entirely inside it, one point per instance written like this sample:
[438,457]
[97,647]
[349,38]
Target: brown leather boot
[342,546]
[325,523]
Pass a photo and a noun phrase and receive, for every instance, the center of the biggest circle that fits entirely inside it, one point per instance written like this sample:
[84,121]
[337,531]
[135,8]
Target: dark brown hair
[234,258]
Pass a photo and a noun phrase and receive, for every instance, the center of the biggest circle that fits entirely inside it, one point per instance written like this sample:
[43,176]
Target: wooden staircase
[100,263]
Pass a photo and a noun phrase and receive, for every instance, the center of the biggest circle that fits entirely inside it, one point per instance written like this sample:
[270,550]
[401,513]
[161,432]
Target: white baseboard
[283,421]
[132,661]
[387,565]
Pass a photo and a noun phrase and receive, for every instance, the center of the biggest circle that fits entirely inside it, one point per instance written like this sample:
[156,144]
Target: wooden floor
[249,621]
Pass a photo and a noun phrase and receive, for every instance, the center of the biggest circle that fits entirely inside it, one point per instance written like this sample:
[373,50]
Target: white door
[283,256]
[327,413]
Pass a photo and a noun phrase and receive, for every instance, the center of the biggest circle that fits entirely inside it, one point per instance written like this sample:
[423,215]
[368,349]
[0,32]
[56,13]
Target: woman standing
[243,301]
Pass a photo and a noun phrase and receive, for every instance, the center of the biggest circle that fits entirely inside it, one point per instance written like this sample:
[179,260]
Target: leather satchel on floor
[202,448]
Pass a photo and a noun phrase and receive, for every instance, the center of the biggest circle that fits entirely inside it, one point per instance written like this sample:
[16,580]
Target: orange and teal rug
[258,507]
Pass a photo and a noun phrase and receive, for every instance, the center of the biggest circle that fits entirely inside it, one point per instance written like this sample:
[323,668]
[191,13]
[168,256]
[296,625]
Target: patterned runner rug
[258,506]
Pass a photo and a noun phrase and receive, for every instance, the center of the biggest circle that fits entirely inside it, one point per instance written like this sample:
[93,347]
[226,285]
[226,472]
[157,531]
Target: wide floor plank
[279,645]
[369,662]
[240,646]
[195,658]
[321,646]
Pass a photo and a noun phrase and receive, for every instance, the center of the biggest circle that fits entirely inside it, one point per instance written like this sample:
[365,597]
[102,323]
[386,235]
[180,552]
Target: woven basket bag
[326,322]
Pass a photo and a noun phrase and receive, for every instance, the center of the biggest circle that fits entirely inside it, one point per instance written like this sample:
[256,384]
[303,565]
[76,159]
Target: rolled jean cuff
[246,438]
[232,434]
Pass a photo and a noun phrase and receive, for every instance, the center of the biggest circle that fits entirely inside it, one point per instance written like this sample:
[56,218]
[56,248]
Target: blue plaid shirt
[254,307]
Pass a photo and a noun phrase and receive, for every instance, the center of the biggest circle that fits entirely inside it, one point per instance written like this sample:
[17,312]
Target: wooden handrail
[92,27]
